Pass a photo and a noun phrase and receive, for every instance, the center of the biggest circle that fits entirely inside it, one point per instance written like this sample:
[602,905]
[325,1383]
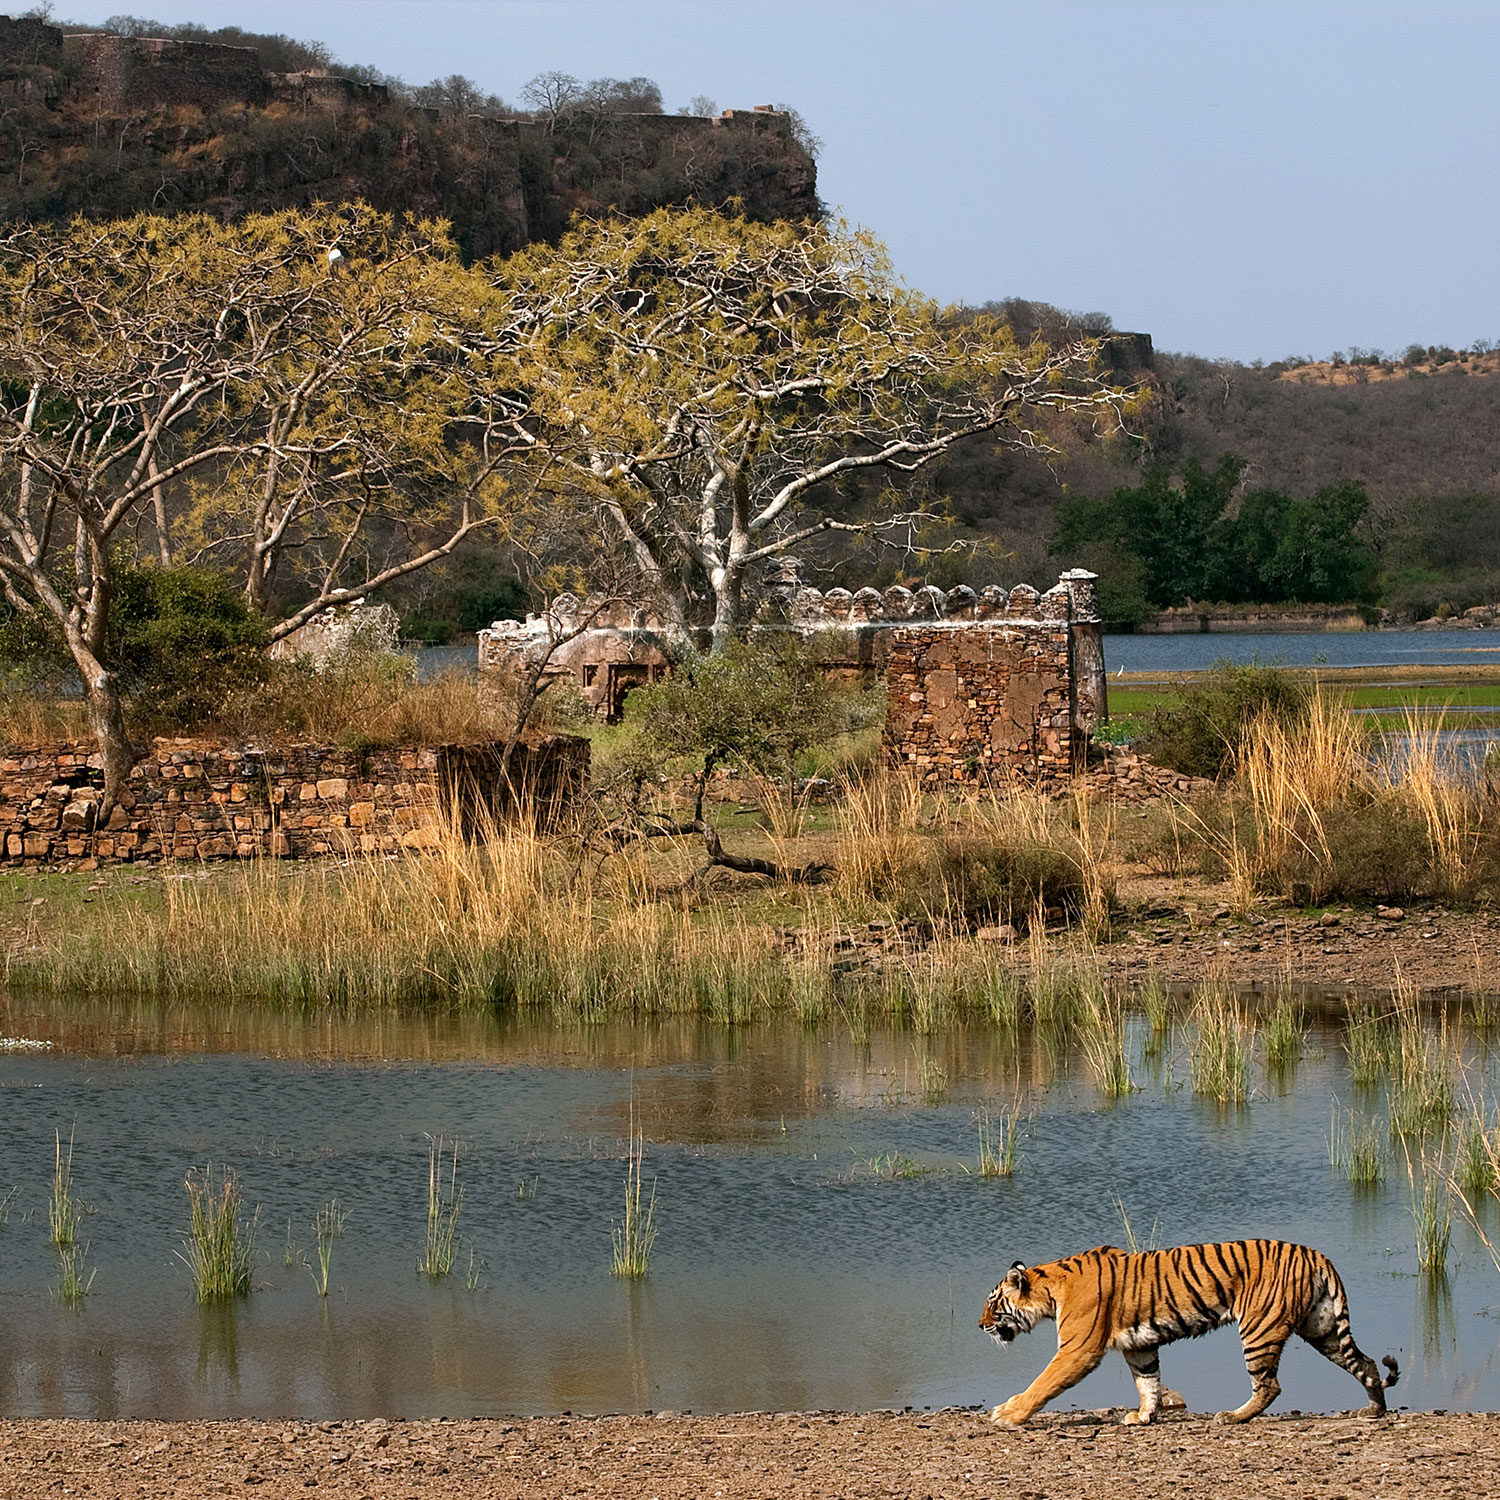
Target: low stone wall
[192,799]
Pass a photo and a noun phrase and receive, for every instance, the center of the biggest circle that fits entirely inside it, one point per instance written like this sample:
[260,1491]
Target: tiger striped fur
[1107,1299]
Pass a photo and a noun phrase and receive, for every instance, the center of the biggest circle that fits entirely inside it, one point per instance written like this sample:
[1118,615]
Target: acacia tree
[703,381]
[374,437]
[141,356]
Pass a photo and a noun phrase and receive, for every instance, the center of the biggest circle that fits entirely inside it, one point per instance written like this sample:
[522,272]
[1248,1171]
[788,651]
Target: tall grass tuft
[1477,1170]
[328,1225]
[1447,806]
[1432,1218]
[1132,1243]
[445,1201]
[934,1077]
[76,1279]
[880,841]
[1484,1002]
[1283,1034]
[1102,1039]
[1294,771]
[635,1234]
[1370,1041]
[1155,1003]
[65,1209]
[1355,1148]
[1423,1089]
[1219,1062]
[220,1249]
[1477,1174]
[999,1139]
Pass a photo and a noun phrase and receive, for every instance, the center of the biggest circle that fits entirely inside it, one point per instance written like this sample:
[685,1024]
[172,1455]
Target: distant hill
[1421,432]
[105,125]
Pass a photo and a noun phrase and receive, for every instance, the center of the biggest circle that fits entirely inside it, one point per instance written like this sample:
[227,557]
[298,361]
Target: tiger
[1107,1299]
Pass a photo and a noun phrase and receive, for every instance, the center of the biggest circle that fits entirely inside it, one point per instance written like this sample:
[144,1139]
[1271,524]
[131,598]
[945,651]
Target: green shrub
[761,704]
[183,641]
[1199,733]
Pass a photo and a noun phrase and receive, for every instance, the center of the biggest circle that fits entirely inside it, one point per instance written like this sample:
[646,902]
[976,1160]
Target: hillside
[1421,433]
[107,125]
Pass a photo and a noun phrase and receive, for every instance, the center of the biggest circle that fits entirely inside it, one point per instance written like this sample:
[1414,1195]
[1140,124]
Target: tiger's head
[1016,1306]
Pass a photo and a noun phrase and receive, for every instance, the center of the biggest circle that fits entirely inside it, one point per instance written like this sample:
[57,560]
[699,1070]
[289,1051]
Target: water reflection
[218,1372]
[1434,1299]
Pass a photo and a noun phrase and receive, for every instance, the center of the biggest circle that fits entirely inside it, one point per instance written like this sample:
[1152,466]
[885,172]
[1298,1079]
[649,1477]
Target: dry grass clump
[32,717]
[1317,813]
[1219,1064]
[366,699]
[992,855]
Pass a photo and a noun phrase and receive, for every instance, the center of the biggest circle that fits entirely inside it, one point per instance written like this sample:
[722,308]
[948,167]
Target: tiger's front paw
[1006,1415]
[1172,1399]
[1135,1419]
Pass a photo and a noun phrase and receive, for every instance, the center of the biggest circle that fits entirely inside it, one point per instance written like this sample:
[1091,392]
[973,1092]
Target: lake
[1332,648]
[824,1238]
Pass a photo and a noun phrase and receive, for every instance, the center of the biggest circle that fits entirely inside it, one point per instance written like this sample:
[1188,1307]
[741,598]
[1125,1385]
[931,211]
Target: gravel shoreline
[800,1454]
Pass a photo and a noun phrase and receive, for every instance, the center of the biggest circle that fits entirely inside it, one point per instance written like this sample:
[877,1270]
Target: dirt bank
[1066,1455]
[1184,929]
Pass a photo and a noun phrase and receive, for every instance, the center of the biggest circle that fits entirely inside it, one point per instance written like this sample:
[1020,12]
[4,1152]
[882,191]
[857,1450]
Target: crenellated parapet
[1038,656]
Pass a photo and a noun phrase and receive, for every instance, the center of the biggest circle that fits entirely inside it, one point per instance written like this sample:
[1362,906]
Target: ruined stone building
[976,683]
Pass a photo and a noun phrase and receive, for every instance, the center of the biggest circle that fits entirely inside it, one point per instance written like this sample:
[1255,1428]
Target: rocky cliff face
[105,126]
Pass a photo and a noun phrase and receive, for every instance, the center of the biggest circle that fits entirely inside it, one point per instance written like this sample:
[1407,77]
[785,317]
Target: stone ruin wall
[976,682]
[194,800]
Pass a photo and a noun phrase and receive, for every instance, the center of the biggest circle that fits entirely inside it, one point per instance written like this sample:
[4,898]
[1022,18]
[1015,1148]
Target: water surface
[792,1269]
[1332,648]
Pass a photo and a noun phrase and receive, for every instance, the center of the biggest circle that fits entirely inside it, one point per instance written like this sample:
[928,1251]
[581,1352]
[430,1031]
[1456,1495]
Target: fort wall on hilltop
[128,74]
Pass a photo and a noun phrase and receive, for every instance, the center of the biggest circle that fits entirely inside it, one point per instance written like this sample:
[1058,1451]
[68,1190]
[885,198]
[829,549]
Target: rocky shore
[1066,1455]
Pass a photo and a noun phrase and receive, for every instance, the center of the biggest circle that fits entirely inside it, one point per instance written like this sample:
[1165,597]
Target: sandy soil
[919,1454]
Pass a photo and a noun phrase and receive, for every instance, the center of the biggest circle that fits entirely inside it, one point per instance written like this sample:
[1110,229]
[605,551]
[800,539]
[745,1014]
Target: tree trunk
[728,606]
[107,716]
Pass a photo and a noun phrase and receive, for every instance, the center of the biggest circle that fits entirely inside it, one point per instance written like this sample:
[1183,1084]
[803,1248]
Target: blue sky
[1247,180]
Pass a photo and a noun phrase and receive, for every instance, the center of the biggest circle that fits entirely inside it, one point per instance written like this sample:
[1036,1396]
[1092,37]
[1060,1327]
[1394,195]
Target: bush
[978,880]
[1009,856]
[1200,732]
[184,642]
[761,704]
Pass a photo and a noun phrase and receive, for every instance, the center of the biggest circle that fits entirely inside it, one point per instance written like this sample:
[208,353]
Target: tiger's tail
[1342,1350]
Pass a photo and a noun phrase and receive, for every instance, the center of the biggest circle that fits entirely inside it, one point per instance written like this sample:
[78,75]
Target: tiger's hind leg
[1263,1348]
[1326,1328]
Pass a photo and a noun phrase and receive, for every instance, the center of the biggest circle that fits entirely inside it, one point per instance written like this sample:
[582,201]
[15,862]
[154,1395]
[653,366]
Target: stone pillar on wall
[1089,686]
